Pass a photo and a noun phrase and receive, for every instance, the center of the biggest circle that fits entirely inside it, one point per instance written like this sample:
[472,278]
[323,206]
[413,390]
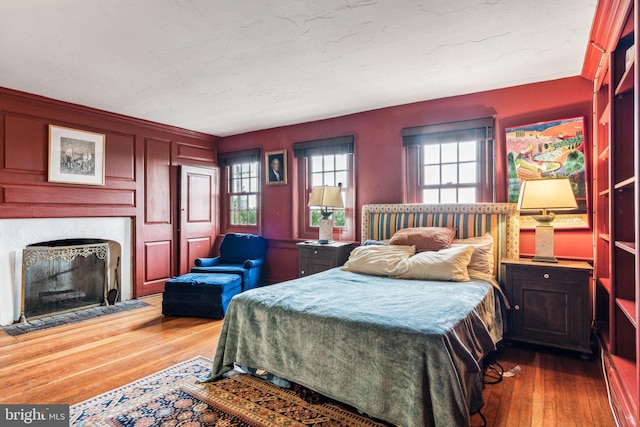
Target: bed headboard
[380,222]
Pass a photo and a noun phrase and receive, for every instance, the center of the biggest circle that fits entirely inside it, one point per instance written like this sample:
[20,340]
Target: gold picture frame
[275,167]
[76,156]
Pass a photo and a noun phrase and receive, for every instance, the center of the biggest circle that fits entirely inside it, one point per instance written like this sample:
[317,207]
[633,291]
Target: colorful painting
[553,149]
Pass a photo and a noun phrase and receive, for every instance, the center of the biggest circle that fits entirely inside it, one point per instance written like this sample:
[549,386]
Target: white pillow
[445,264]
[482,259]
[379,260]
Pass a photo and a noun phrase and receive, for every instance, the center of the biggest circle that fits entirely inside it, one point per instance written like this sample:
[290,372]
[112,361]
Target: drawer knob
[516,307]
[546,275]
[315,251]
[302,272]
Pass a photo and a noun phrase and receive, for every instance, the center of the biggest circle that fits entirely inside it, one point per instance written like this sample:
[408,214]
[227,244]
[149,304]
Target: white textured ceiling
[225,67]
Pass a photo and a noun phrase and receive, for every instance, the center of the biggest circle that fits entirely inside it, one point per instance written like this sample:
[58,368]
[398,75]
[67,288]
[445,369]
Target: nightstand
[314,257]
[550,303]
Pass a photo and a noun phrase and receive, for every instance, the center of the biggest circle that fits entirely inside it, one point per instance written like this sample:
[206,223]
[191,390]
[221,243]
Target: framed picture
[275,167]
[75,156]
[552,149]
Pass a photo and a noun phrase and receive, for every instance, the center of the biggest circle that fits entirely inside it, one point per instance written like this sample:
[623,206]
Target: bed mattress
[405,351]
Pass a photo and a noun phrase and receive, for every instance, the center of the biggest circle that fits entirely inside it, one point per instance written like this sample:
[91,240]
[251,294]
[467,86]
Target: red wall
[141,160]
[379,155]
[139,155]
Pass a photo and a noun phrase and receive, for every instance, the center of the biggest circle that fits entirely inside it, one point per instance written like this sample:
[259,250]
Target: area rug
[173,397]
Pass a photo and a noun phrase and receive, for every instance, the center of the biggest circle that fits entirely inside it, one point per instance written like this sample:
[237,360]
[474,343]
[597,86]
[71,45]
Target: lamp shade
[551,194]
[327,197]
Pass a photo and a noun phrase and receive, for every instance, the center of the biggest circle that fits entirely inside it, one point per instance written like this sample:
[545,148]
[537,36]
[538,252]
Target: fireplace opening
[66,275]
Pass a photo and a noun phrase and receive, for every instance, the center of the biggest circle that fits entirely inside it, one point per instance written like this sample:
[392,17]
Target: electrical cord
[484,420]
[493,373]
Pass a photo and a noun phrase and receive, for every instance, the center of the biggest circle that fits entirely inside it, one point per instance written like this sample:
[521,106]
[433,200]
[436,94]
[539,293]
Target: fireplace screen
[63,278]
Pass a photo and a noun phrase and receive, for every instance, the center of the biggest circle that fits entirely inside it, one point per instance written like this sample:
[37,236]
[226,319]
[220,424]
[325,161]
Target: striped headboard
[501,220]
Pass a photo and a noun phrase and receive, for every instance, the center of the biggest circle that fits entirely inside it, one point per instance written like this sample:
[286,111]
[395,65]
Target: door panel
[156,246]
[198,214]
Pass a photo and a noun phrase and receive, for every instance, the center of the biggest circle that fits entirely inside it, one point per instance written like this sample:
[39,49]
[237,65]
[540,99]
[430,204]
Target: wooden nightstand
[314,257]
[549,303]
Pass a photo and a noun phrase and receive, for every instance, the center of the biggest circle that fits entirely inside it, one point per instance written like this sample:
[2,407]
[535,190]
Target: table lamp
[545,195]
[326,197]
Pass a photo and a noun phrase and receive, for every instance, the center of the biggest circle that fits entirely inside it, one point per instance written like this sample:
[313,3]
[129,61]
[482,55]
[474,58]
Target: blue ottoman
[200,294]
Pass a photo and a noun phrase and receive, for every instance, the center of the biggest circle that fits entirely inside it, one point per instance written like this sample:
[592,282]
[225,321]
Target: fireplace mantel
[16,234]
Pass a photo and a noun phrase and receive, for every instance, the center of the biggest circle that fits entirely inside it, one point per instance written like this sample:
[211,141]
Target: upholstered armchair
[241,254]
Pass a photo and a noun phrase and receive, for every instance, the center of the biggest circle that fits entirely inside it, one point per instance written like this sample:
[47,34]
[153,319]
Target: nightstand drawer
[314,257]
[550,274]
[316,251]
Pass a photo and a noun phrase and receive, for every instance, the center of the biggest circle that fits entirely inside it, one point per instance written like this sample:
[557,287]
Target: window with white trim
[331,170]
[326,162]
[241,172]
[450,162]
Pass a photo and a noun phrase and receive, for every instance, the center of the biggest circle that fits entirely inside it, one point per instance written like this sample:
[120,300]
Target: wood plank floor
[69,364]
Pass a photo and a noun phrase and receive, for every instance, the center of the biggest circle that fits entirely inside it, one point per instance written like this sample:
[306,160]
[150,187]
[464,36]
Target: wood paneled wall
[141,158]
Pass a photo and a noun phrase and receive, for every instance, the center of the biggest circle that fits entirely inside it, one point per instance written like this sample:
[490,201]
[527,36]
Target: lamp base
[544,243]
[326,231]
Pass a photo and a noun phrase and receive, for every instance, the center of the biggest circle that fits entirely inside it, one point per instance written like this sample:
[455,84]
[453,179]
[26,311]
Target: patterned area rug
[173,397]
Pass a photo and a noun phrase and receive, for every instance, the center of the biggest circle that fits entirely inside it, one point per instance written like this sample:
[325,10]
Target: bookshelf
[616,209]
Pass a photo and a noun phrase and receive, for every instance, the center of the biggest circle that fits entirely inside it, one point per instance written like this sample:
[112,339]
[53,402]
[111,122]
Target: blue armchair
[241,254]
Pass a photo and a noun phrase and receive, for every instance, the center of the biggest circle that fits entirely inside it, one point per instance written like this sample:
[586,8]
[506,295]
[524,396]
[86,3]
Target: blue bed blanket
[406,351]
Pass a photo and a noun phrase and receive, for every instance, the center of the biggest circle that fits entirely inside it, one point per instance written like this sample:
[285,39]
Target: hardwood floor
[553,388]
[69,364]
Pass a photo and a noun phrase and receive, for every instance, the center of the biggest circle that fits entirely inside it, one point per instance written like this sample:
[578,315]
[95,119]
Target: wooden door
[198,225]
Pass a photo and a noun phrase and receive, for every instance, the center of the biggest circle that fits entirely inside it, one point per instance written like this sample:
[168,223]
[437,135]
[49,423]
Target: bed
[405,351]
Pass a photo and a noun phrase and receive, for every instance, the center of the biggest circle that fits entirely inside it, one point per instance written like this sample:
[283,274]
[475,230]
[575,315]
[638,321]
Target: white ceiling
[225,67]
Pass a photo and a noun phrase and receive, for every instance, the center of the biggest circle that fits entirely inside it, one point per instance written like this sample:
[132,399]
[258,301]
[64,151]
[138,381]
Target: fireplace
[65,275]
[17,235]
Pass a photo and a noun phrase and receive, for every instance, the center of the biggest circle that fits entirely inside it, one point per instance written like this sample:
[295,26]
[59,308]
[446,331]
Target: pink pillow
[424,238]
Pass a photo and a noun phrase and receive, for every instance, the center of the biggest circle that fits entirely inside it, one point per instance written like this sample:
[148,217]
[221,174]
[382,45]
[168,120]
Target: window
[331,170]
[241,174]
[326,162]
[243,196]
[450,163]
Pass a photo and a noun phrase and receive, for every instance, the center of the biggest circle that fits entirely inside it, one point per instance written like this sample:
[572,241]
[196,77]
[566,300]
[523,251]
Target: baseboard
[622,407]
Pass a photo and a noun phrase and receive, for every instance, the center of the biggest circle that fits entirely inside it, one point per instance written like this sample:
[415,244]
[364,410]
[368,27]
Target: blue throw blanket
[405,351]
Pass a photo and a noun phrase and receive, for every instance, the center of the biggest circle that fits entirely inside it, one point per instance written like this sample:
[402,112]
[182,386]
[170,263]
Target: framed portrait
[75,156]
[275,166]
[551,149]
